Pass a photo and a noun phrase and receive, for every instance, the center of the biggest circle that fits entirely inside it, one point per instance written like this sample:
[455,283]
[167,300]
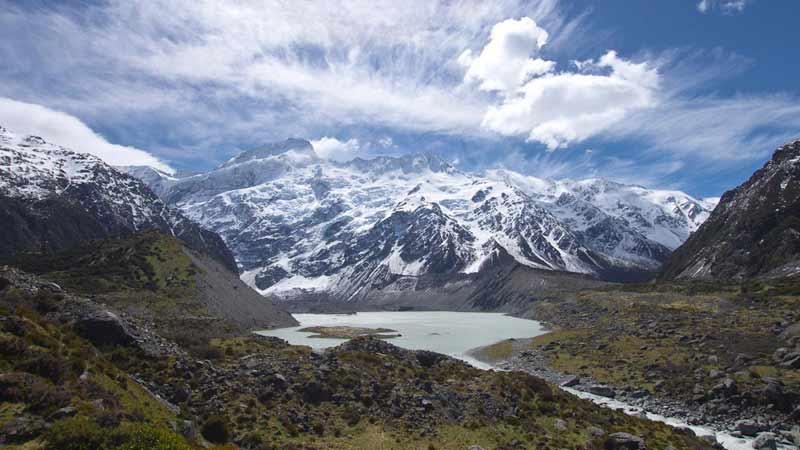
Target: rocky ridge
[754,231]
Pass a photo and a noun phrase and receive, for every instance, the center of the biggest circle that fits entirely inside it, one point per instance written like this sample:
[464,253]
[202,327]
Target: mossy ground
[672,334]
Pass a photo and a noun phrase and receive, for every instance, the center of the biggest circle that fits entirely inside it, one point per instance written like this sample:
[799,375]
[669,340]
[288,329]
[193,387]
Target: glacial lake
[451,333]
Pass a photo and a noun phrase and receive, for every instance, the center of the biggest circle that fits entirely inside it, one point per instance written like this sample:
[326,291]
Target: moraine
[456,334]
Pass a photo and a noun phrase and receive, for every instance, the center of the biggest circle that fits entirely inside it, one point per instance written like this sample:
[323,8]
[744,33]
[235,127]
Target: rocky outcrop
[754,230]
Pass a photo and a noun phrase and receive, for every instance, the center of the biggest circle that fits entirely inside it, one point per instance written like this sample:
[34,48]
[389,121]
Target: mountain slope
[755,229]
[298,223]
[158,279]
[52,198]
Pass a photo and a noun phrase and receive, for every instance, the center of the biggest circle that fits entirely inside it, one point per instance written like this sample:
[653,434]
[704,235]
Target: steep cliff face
[754,231]
[53,198]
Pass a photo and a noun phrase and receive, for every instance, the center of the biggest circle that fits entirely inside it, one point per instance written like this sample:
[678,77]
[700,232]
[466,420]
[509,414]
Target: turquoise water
[451,333]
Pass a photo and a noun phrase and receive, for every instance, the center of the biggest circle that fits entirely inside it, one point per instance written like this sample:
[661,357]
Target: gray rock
[624,441]
[601,390]
[596,431]
[475,447]
[765,441]
[749,427]
[104,328]
[725,388]
[560,425]
[571,381]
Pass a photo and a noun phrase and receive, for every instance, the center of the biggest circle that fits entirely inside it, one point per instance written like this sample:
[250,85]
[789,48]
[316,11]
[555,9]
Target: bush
[76,433]
[148,437]
[216,430]
[82,433]
[46,366]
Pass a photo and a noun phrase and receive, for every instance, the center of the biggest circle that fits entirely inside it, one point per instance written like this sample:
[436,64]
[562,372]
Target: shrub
[46,366]
[76,433]
[216,430]
[148,437]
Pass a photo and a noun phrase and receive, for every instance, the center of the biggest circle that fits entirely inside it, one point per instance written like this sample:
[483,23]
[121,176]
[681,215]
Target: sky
[681,94]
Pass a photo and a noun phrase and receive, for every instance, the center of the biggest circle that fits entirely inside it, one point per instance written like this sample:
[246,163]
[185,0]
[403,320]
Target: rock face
[52,198]
[354,231]
[754,231]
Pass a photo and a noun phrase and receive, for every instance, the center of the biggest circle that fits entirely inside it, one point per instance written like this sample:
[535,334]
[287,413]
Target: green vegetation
[676,339]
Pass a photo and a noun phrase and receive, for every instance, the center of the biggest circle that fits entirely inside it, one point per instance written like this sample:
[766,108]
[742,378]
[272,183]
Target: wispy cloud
[724,6]
[196,80]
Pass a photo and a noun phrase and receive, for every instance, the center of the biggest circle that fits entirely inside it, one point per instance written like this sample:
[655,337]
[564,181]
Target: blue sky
[687,94]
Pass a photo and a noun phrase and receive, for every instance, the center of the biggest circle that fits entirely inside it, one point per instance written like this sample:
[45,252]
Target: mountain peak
[299,146]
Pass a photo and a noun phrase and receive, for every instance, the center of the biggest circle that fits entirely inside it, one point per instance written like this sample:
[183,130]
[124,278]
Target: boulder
[624,441]
[429,359]
[765,441]
[725,388]
[571,381]
[601,390]
[104,328]
[790,332]
[749,427]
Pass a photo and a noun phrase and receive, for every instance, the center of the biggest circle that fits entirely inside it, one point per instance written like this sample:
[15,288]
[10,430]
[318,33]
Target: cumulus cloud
[68,131]
[555,109]
[510,57]
[335,150]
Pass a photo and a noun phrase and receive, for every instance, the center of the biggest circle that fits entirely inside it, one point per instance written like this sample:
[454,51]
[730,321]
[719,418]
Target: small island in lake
[344,332]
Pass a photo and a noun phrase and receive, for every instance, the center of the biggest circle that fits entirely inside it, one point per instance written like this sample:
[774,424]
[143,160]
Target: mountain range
[300,225]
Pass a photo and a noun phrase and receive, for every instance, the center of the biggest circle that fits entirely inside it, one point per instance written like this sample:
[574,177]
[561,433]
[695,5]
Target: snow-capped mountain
[297,222]
[755,230]
[51,198]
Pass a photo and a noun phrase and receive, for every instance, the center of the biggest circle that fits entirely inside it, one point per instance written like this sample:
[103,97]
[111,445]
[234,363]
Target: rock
[791,361]
[658,385]
[560,425]
[749,427]
[725,388]
[790,332]
[20,429]
[624,441]
[475,447]
[601,390]
[63,413]
[428,359]
[710,438]
[571,381]
[315,393]
[104,328]
[765,441]
[595,431]
[640,393]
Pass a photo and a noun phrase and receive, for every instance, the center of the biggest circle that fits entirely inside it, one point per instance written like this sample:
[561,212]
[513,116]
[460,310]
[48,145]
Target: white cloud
[68,131]
[726,6]
[563,108]
[508,59]
[336,150]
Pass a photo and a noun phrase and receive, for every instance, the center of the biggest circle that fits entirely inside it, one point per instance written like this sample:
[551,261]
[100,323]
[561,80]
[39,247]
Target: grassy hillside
[184,295]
